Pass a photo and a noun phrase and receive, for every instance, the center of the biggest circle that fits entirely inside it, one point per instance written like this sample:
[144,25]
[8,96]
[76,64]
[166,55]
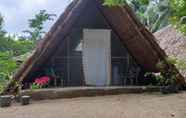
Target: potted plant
[25,100]
[169,82]
[5,101]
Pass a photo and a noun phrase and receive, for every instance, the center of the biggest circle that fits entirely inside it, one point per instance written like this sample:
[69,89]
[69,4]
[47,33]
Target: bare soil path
[145,105]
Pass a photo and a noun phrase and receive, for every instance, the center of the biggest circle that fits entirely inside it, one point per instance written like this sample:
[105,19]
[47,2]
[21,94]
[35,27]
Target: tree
[152,13]
[179,14]
[121,2]
[114,2]
[10,47]
[2,32]
[36,25]
[7,67]
[16,46]
[158,13]
[13,46]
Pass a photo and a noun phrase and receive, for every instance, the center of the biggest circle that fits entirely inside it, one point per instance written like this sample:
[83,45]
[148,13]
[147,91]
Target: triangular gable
[136,38]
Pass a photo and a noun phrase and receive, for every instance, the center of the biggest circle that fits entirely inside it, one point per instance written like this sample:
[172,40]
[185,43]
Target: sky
[17,12]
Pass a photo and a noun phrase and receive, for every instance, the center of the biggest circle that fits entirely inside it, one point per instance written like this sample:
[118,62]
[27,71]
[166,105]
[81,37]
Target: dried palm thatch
[174,44]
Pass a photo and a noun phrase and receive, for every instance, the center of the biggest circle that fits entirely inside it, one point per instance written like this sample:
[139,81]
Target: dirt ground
[120,106]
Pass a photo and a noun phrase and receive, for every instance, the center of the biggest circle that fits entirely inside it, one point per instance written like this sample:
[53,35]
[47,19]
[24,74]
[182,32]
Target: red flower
[42,80]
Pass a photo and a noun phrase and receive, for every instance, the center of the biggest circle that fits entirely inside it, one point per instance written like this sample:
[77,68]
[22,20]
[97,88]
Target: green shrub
[7,67]
[168,75]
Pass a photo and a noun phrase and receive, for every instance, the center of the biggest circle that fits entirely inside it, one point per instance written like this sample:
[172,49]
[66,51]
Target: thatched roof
[173,42]
[137,39]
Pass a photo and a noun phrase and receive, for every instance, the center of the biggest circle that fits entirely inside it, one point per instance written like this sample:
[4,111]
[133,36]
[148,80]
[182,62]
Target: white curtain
[97,57]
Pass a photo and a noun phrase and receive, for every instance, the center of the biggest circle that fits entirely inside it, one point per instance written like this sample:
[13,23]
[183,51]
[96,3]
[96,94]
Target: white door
[97,57]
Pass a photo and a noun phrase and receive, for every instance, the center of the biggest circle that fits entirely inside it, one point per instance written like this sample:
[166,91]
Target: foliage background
[14,46]
[156,14]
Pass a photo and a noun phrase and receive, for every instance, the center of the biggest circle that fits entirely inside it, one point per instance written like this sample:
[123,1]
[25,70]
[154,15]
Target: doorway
[97,57]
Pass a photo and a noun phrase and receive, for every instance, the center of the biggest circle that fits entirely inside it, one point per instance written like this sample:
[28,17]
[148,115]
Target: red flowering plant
[40,82]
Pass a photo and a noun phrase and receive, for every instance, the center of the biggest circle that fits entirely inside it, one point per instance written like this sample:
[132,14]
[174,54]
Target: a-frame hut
[93,44]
